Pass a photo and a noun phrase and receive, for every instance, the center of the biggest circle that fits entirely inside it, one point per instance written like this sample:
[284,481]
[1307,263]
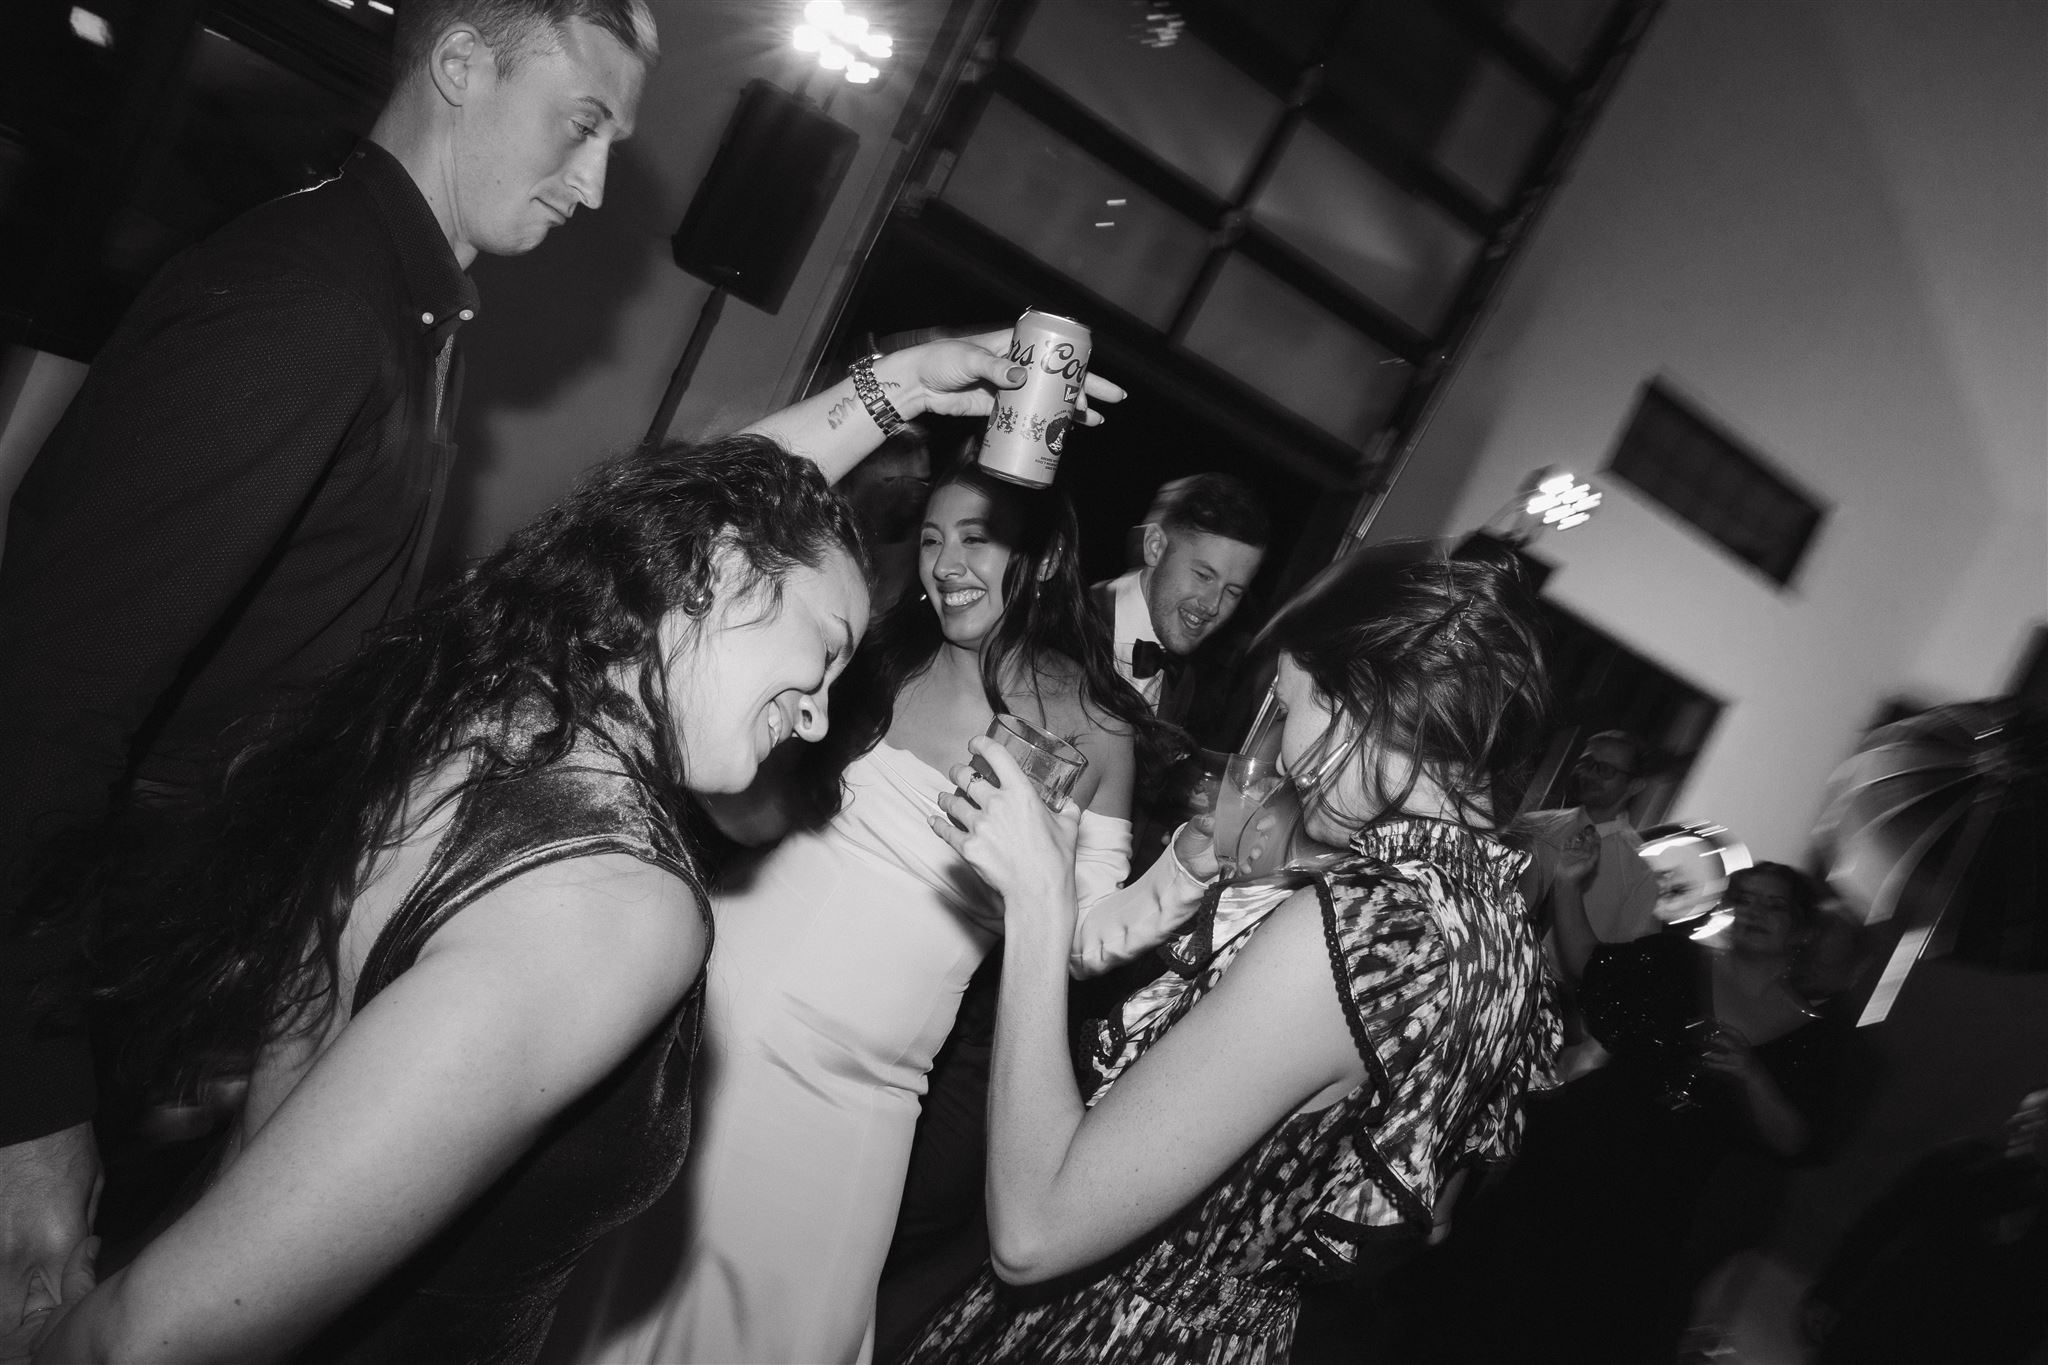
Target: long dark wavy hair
[1048,629]
[552,642]
[1431,656]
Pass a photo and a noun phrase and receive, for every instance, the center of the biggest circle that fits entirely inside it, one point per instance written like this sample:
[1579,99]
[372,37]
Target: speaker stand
[693,351]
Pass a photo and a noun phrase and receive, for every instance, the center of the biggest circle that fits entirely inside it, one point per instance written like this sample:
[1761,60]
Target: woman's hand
[1729,1053]
[1006,834]
[40,1334]
[1194,843]
[959,377]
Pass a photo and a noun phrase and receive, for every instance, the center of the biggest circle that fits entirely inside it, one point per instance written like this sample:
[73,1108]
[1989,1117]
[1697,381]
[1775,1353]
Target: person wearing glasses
[1591,849]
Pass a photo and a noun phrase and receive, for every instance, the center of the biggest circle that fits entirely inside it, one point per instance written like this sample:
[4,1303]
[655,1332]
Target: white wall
[1827,222]
[574,343]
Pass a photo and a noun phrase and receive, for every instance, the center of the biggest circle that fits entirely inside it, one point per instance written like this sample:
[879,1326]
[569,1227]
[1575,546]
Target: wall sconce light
[842,41]
[1561,500]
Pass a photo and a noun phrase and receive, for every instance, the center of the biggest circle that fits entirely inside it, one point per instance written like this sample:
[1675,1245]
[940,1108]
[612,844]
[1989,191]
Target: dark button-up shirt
[247,482]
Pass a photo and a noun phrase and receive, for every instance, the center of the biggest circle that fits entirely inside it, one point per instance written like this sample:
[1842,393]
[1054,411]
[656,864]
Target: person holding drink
[1289,1102]
[1591,1247]
[843,951]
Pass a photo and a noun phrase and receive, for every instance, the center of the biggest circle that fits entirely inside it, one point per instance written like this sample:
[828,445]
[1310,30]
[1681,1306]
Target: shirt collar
[440,293]
[1133,616]
[1617,827]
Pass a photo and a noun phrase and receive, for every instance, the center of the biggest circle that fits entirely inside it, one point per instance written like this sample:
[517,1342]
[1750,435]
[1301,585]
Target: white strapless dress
[837,970]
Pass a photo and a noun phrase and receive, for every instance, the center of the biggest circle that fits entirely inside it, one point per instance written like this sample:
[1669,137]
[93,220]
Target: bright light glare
[91,27]
[842,41]
[1562,501]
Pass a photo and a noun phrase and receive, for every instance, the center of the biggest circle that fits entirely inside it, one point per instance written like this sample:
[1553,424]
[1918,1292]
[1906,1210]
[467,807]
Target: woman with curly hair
[449,919]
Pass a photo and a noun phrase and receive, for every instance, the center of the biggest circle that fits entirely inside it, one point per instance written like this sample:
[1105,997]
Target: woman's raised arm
[954,378]
[517,1006]
[1068,1185]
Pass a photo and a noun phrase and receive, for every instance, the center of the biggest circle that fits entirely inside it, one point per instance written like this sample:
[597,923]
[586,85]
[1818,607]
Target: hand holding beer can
[1027,428]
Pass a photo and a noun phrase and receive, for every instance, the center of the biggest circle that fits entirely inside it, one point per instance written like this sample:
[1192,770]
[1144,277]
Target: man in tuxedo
[1200,552]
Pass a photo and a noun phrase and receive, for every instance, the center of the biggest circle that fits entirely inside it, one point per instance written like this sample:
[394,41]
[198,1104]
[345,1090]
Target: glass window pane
[1400,66]
[1026,183]
[1297,30]
[1182,102]
[1289,348]
[1403,253]
[1562,29]
[1489,137]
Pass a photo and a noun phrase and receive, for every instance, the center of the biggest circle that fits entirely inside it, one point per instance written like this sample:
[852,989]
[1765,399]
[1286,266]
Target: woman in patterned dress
[1285,1105]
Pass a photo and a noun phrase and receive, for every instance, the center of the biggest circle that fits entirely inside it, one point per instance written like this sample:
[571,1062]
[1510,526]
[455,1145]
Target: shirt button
[427,318]
[468,313]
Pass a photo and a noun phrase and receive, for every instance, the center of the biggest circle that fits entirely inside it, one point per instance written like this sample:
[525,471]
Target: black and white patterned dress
[1442,983]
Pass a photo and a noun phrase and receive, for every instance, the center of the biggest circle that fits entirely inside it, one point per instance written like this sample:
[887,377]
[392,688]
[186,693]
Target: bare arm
[1067,1184]
[515,1008]
[954,378]
[1775,1119]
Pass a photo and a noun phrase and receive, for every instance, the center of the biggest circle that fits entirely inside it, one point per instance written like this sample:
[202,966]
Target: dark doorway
[1601,684]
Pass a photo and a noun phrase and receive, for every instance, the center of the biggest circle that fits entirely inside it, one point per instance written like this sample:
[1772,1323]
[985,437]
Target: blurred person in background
[1618,890]
[1589,1248]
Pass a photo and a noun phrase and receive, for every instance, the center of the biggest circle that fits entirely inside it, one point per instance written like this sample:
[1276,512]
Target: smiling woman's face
[756,673]
[960,562]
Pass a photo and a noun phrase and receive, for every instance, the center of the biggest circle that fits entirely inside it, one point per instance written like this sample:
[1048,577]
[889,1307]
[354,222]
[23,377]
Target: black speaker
[778,167]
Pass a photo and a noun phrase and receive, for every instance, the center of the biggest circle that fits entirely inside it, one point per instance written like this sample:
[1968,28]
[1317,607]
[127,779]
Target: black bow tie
[1147,658]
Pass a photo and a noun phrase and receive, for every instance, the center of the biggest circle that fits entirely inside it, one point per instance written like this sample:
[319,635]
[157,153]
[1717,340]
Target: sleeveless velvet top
[484,1289]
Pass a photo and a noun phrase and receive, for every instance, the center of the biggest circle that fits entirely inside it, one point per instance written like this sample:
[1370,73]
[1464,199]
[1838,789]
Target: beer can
[1027,428]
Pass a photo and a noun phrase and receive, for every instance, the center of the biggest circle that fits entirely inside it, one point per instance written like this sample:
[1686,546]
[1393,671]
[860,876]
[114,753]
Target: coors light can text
[1028,427]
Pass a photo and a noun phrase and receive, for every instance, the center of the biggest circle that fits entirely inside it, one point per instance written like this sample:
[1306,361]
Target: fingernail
[1018,374]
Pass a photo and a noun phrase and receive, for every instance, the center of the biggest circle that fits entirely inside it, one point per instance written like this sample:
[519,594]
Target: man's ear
[1154,544]
[459,63]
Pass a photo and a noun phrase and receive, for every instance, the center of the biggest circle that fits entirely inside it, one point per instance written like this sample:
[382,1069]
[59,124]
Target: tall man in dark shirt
[250,478]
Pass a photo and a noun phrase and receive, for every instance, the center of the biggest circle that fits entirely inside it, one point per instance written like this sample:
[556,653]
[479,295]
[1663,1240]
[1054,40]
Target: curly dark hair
[1048,624]
[1431,656]
[233,943]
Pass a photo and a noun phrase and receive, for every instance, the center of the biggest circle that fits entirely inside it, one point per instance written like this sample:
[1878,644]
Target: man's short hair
[516,29]
[1641,757]
[1219,505]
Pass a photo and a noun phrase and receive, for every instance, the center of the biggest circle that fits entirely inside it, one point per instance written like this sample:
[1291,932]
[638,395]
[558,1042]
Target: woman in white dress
[843,952]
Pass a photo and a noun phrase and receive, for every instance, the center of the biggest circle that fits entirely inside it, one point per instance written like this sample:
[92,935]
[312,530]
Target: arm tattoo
[836,415]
